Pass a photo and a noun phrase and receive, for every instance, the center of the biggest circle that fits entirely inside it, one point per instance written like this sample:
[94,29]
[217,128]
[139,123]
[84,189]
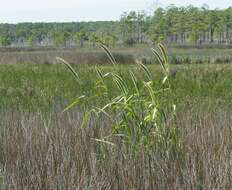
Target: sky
[14,11]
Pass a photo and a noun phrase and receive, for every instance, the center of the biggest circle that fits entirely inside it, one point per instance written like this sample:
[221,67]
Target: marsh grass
[123,55]
[60,154]
[43,148]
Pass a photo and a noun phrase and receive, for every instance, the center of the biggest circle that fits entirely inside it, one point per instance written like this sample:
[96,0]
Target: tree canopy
[174,25]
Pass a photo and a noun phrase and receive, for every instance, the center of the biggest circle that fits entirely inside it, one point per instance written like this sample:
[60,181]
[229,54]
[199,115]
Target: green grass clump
[136,113]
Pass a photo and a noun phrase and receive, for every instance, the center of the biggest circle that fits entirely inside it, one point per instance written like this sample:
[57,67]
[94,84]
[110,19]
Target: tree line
[193,25]
[58,34]
[174,25]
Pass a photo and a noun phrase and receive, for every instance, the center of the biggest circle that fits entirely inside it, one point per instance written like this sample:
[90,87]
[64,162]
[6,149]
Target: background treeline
[193,25]
[59,34]
[174,25]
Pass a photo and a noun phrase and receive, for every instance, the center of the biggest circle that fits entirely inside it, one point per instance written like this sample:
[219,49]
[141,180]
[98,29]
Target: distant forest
[174,25]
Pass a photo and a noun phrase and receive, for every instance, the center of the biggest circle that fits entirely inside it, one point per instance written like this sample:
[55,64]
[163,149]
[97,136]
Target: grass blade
[104,142]
[146,70]
[135,81]
[70,68]
[77,101]
[163,51]
[108,53]
[158,56]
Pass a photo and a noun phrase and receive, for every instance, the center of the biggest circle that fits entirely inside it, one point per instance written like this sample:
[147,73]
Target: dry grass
[55,153]
[72,56]
[123,55]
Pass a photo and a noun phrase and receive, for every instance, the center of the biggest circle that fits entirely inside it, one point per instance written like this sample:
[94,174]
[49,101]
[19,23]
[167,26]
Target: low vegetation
[115,126]
[124,55]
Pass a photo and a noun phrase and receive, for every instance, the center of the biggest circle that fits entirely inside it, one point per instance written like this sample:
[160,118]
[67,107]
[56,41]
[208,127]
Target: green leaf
[135,81]
[74,103]
[87,117]
[165,79]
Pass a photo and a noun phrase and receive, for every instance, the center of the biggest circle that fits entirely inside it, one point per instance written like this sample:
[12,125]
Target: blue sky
[13,11]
